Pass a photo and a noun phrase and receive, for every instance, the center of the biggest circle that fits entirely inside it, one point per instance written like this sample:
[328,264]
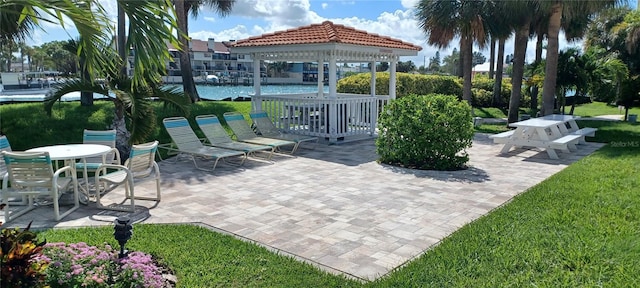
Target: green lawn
[28,126]
[599,108]
[579,228]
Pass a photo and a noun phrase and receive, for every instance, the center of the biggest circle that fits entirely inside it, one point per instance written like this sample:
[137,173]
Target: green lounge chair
[188,144]
[244,133]
[267,129]
[218,137]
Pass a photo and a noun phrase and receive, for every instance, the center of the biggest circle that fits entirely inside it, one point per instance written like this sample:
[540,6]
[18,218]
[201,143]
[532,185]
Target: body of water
[223,92]
[206,92]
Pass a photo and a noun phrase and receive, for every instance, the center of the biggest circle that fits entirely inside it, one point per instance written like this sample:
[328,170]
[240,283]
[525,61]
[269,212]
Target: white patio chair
[6,146]
[140,166]
[102,137]
[31,174]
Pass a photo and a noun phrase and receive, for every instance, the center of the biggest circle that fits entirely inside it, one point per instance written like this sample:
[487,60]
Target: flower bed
[81,265]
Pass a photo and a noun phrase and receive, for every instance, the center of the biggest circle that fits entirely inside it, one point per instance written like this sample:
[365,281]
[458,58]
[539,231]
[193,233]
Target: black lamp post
[123,231]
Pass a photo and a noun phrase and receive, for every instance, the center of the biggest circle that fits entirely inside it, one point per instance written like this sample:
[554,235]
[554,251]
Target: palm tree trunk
[492,57]
[467,65]
[520,49]
[22,57]
[460,66]
[188,84]
[86,98]
[119,123]
[121,39]
[497,84]
[534,89]
[122,133]
[551,68]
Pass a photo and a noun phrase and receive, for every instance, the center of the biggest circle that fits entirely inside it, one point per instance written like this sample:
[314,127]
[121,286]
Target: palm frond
[151,23]
[74,85]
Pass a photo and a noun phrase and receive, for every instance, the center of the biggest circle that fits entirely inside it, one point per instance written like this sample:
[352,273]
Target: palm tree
[27,15]
[562,11]
[444,20]
[539,29]
[11,28]
[134,100]
[86,97]
[500,29]
[151,23]
[519,14]
[183,7]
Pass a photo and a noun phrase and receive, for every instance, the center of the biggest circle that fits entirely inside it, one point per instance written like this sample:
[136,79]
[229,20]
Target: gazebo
[334,116]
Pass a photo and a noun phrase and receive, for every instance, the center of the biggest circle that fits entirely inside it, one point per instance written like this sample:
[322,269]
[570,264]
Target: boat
[35,84]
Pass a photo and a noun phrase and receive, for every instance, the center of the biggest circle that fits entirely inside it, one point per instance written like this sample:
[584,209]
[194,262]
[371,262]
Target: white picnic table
[551,133]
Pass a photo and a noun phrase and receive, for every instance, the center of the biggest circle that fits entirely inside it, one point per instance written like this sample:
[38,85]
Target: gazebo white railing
[346,115]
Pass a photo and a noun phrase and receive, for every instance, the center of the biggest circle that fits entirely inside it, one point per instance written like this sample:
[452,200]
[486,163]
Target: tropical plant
[450,62]
[62,55]
[434,63]
[151,26]
[405,67]
[572,75]
[539,29]
[92,27]
[276,68]
[575,16]
[478,58]
[17,266]
[519,14]
[612,41]
[429,132]
[132,103]
[86,98]
[182,8]
[606,73]
[443,20]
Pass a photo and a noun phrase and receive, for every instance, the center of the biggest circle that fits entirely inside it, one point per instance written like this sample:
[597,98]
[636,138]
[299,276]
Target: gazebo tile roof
[326,32]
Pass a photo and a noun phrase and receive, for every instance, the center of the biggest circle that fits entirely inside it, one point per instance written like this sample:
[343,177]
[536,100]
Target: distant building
[216,58]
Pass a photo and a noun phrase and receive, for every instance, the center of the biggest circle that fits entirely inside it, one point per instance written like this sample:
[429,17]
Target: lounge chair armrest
[5,181]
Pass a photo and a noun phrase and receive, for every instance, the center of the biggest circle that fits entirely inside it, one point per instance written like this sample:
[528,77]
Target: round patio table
[72,152]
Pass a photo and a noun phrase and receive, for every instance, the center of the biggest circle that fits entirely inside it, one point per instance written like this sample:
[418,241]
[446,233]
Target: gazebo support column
[392,80]
[373,78]
[333,106]
[257,106]
[320,77]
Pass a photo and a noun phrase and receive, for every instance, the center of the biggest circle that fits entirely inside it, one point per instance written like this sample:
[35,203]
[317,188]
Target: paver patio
[334,206]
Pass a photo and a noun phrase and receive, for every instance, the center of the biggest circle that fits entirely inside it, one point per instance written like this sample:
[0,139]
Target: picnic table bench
[551,132]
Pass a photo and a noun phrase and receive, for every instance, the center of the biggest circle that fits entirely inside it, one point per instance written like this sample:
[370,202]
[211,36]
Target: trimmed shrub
[406,84]
[482,92]
[428,132]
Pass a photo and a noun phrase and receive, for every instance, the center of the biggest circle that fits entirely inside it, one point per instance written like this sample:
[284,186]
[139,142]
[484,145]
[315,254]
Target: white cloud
[285,14]
[238,32]
[409,4]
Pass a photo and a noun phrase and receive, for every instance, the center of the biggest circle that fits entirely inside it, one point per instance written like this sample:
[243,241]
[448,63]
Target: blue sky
[393,18]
